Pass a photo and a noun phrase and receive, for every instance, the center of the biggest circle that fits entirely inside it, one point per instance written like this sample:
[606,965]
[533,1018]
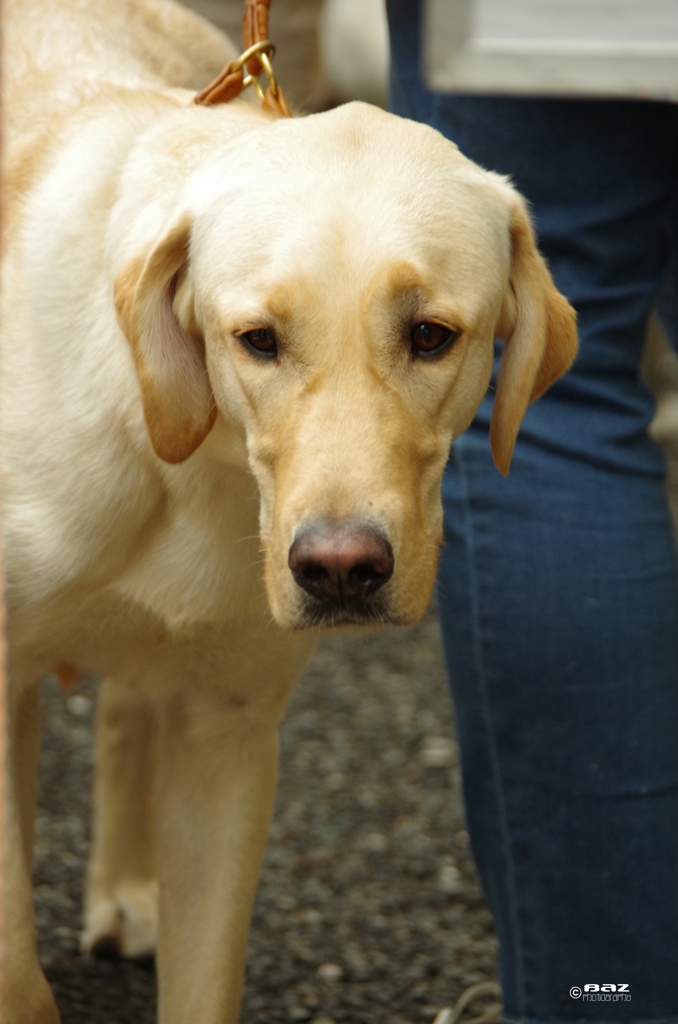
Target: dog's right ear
[179,406]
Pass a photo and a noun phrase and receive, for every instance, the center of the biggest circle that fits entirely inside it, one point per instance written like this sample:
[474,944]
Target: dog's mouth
[375,611]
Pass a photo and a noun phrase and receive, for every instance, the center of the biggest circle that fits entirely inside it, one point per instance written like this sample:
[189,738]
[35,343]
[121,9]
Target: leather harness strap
[255,59]
[255,29]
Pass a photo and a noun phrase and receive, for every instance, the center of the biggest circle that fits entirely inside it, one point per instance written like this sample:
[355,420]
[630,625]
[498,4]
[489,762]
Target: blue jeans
[558,588]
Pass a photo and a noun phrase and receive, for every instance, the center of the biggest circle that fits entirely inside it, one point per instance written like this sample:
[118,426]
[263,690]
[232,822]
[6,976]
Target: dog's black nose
[337,563]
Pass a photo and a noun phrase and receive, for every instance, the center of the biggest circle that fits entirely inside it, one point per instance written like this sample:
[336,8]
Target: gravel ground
[369,909]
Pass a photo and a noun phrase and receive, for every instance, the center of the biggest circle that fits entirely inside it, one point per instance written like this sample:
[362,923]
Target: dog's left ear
[179,406]
[540,332]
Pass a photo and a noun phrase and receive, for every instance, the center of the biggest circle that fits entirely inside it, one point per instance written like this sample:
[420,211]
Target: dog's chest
[192,565]
[201,564]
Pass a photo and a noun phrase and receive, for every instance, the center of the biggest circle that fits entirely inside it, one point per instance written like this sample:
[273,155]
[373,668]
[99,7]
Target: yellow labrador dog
[235,351]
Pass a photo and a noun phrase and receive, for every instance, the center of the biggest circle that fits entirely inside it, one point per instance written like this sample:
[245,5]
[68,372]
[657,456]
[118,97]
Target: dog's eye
[261,342]
[429,339]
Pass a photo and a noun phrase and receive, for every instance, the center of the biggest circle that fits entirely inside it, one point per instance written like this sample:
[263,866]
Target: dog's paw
[124,924]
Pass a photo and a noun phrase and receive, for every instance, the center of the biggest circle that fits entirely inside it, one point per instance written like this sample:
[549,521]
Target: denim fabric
[558,588]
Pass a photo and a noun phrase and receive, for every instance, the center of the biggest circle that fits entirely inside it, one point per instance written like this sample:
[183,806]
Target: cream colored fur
[155,471]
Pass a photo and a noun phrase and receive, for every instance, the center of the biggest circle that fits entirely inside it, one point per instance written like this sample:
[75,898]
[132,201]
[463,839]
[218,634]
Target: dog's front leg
[217,769]
[121,894]
[25,996]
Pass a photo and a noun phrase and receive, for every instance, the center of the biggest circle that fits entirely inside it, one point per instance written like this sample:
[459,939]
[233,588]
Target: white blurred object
[450,880]
[603,47]
[354,49]
[438,752]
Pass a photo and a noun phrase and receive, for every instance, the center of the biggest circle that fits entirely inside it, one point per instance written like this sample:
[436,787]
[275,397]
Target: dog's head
[333,287]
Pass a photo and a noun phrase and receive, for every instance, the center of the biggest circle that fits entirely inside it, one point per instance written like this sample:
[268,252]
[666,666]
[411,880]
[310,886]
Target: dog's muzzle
[341,565]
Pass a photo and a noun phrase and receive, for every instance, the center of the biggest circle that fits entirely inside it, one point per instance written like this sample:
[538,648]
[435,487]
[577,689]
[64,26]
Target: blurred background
[328,51]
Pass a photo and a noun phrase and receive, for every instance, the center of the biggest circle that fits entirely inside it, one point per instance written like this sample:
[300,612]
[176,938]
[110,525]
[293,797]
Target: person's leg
[558,588]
